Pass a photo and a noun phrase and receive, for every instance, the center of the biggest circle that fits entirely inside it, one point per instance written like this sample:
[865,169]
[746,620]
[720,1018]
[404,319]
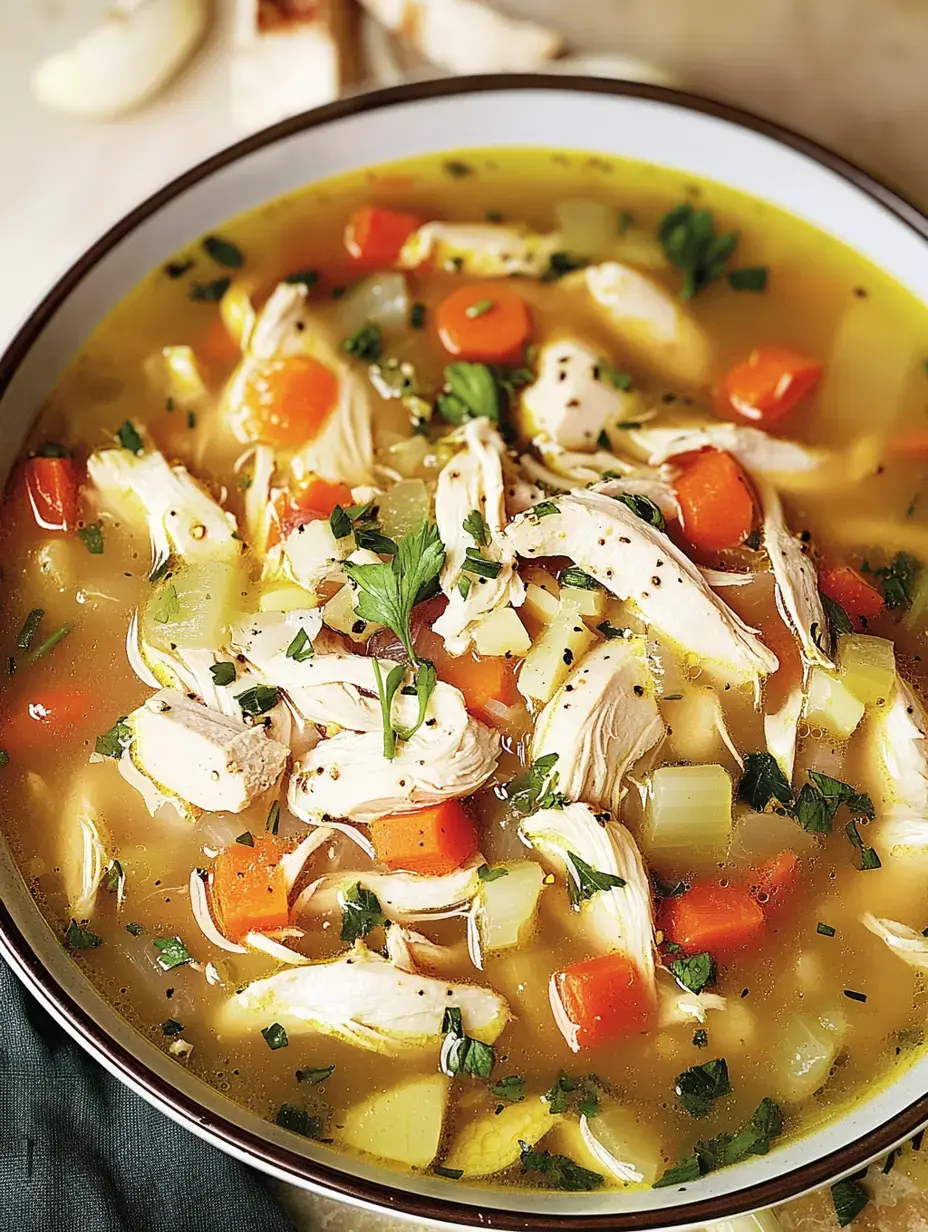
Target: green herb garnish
[275,1036]
[129,438]
[361,913]
[340,523]
[303,278]
[560,264]
[298,1121]
[689,241]
[897,579]
[30,628]
[471,392]
[272,823]
[480,308]
[868,857]
[488,873]
[544,509]
[365,343]
[578,579]
[569,1091]
[824,930]
[171,1026]
[558,1171]
[77,938]
[610,631]
[246,839]
[530,791]
[171,952]
[258,700]
[91,536]
[604,371]
[583,881]
[222,673]
[763,781]
[479,565]
[511,1088]
[223,252]
[424,683]
[301,648]
[209,292]
[849,1198]
[417,316]
[643,507]
[459,1053]
[312,1075]
[694,972]
[135,929]
[177,269]
[754,1138]
[50,642]
[748,278]
[166,605]
[476,526]
[458,169]
[699,1086]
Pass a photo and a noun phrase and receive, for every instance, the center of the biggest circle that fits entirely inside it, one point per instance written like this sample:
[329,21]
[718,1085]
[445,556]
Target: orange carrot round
[287,401]
[715,499]
[375,235]
[860,600]
[597,1001]
[486,322]
[769,384]
[433,841]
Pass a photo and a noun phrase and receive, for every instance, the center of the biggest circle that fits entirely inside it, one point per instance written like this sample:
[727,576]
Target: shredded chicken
[908,943]
[572,400]
[403,897]
[481,250]
[898,732]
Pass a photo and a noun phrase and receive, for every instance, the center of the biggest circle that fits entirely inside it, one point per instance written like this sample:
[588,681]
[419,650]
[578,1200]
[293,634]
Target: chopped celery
[506,906]
[194,605]
[562,644]
[867,666]
[831,706]
[501,632]
[688,817]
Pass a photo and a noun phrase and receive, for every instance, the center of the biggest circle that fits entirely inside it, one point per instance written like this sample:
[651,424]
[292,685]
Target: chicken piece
[206,758]
[451,755]
[473,481]
[82,854]
[781,728]
[403,897]
[183,519]
[343,449]
[758,453]
[615,919]
[796,580]
[364,1000]
[482,250]
[636,561]
[467,36]
[676,1005]
[908,943]
[600,722]
[571,401]
[289,56]
[898,736]
[652,320]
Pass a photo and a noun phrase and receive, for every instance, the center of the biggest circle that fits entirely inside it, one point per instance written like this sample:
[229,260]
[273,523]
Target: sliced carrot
[249,887]
[860,600]
[287,401]
[713,917]
[597,1001]
[312,500]
[716,503]
[375,234]
[773,881]
[487,322]
[52,488]
[769,384]
[482,681]
[433,841]
[35,724]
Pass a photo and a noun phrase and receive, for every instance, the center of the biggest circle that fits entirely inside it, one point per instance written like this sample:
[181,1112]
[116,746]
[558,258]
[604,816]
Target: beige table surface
[851,73]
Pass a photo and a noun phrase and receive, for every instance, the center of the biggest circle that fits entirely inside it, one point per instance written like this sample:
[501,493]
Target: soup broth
[710,962]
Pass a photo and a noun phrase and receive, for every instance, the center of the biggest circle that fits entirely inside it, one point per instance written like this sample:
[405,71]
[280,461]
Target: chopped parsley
[578,579]
[312,1075]
[301,648]
[77,938]
[544,509]
[604,371]
[725,1149]
[340,523]
[177,269]
[511,1088]
[209,292]
[868,857]
[849,1198]
[30,628]
[584,881]
[535,788]
[417,316]
[91,536]
[192,423]
[135,929]
[171,1026]
[825,930]
[700,1038]
[459,1053]
[457,169]
[570,1092]
[115,878]
[361,913]
[487,873]
[303,278]
[558,1171]
[259,699]
[476,526]
[471,392]
[4,757]
[698,1087]
[166,605]
[480,308]
[171,952]
[748,278]
[643,507]
[852,995]
[695,972]
[246,839]
[275,1036]
[450,1174]
[561,263]
[298,1121]
[365,343]
[272,823]
[222,673]
[897,579]
[129,438]
[763,781]
[690,242]
[610,631]
[479,566]
[223,252]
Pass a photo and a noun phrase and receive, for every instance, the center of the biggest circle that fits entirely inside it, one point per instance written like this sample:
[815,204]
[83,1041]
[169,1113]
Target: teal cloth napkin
[80,1152]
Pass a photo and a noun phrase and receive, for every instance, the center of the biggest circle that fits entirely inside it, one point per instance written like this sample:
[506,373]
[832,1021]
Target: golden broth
[821,299]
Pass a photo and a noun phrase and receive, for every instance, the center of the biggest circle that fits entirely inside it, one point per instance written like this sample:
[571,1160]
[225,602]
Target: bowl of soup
[463,737]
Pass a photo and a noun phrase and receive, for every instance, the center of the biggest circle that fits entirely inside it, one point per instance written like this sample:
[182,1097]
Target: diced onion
[382,299]
[760,836]
[830,705]
[587,228]
[688,817]
[805,1052]
[199,902]
[628,1150]
[283,953]
[506,907]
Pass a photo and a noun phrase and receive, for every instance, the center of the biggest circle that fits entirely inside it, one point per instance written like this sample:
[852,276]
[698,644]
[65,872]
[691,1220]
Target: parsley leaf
[246,839]
[611,631]
[459,1053]
[91,536]
[644,508]
[561,263]
[584,881]
[306,278]
[486,873]
[476,526]
[222,673]
[275,1036]
[558,1171]
[365,343]
[298,1121]
[171,1026]
[417,315]
[578,579]
[694,972]
[569,1092]
[763,781]
[113,742]
[835,792]
[700,1085]
[838,620]
[868,857]
[511,1088]
[301,648]
[388,592]
[849,1198]
[525,792]
[754,1138]
[129,438]
[165,605]
[748,278]
[314,1074]
[209,292]
[897,579]
[258,700]
[77,938]
[171,953]
[340,523]
[471,393]
[690,242]
[425,681]
[386,691]
[223,252]
[135,929]
[361,913]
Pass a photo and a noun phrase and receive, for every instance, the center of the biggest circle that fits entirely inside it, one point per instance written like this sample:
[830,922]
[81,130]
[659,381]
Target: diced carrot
[433,841]
[716,503]
[772,881]
[860,600]
[375,234]
[769,384]
[35,724]
[487,322]
[312,500]
[287,401]
[52,488]
[482,681]
[249,887]
[597,1001]
[713,917]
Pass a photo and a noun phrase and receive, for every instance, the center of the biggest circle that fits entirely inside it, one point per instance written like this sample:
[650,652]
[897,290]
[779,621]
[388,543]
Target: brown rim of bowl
[224,1133]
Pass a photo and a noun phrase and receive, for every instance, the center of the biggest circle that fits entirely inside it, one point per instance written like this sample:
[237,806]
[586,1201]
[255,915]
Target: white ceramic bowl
[644,122]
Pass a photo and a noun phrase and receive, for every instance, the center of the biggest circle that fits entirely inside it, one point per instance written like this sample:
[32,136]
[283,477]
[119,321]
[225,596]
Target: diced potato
[534,575]
[194,606]
[867,666]
[285,599]
[506,907]
[831,705]
[540,604]
[804,1055]
[562,644]
[490,1143]
[501,632]
[404,508]
[184,381]
[688,817]
[590,604]
[623,1146]
[403,1124]
[341,615]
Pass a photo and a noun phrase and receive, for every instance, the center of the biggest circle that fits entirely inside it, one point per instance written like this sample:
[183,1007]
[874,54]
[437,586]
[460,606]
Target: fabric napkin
[80,1152]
